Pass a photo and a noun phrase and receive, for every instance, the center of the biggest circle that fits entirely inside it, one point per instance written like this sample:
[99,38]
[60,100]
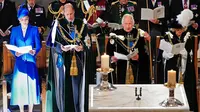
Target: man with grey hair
[136,68]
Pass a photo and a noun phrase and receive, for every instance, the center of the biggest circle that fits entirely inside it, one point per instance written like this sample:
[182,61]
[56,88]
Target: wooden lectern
[8,65]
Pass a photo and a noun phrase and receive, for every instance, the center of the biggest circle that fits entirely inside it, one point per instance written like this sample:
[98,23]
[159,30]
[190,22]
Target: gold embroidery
[67,39]
[135,43]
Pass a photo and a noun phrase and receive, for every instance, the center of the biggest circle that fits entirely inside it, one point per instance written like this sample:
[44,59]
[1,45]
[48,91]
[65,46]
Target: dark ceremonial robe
[8,16]
[174,62]
[189,75]
[154,29]
[141,67]
[55,6]
[102,7]
[72,91]
[194,5]
[37,17]
[117,11]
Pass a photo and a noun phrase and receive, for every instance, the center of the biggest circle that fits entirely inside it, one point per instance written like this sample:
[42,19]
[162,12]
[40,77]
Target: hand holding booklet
[148,14]
[70,46]
[24,49]
[120,56]
[174,49]
[8,29]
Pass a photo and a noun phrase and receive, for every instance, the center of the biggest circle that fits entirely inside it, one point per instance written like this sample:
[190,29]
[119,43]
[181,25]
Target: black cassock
[140,68]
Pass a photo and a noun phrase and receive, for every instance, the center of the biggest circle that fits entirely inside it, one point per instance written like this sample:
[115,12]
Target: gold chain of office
[134,44]
[56,12]
[67,39]
[90,11]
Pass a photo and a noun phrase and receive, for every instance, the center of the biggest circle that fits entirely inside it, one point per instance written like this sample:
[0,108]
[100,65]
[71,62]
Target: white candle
[105,61]
[172,77]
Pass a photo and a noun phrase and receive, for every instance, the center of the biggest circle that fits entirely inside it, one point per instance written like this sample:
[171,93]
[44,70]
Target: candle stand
[171,101]
[105,85]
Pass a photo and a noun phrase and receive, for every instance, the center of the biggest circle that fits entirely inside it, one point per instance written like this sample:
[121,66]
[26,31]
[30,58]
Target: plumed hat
[182,20]
[22,12]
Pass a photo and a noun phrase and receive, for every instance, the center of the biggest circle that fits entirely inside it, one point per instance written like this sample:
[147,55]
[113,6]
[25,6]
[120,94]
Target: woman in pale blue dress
[25,84]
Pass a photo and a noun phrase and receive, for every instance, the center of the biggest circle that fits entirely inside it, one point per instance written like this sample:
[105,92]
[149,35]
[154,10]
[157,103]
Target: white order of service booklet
[24,49]
[148,14]
[174,49]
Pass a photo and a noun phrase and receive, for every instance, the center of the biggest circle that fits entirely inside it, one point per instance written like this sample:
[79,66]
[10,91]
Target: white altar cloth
[123,99]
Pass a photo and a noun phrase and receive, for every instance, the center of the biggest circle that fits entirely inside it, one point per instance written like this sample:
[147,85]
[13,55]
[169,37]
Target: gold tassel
[129,74]
[73,67]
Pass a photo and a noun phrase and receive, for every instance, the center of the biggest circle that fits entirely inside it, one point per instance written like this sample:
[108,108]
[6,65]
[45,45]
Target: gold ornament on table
[73,67]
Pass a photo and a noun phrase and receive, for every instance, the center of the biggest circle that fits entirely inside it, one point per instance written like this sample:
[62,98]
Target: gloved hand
[183,53]
[167,55]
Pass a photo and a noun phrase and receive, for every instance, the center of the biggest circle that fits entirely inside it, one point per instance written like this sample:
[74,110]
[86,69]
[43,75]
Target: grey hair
[68,5]
[128,15]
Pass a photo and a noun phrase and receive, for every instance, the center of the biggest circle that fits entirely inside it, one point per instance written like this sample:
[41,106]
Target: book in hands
[177,48]
[99,21]
[149,14]
[120,56]
[70,46]
[96,24]
[174,49]
[8,29]
[114,26]
[23,50]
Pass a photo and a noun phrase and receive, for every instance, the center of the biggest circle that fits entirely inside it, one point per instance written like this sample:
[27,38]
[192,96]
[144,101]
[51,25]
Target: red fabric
[98,12]
[185,4]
